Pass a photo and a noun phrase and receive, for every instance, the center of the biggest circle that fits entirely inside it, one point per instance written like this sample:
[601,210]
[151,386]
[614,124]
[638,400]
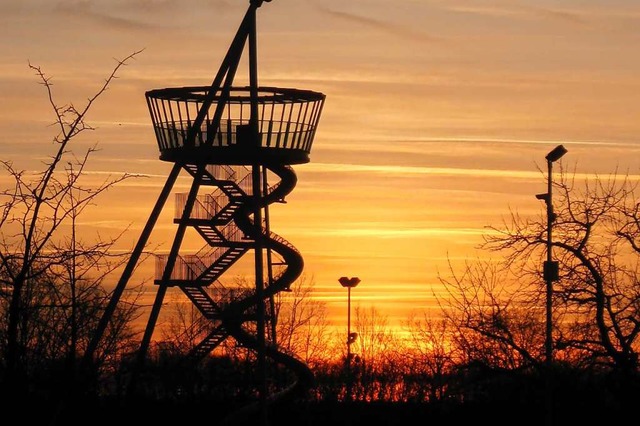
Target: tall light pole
[550,267]
[349,283]
[550,274]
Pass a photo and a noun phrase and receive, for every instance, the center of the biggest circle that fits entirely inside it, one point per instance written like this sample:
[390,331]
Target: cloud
[519,11]
[395,29]
[145,14]
[562,15]
[86,10]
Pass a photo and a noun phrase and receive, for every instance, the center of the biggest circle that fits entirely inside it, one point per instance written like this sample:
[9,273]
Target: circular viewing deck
[282,131]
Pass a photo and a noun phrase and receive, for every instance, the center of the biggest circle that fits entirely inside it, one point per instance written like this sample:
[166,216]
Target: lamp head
[349,282]
[544,197]
[556,153]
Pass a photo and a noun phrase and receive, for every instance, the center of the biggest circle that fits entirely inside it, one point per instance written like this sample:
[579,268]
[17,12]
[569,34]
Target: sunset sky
[438,116]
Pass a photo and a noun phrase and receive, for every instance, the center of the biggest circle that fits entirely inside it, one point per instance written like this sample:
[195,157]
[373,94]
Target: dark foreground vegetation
[342,414]
[471,394]
[578,407]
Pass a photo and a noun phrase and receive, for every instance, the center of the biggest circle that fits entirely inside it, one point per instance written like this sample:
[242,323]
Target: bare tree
[597,299]
[186,327]
[302,327]
[375,351]
[596,302]
[43,265]
[430,357]
[493,322]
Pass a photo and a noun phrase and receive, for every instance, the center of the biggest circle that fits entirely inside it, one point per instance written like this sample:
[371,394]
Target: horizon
[437,119]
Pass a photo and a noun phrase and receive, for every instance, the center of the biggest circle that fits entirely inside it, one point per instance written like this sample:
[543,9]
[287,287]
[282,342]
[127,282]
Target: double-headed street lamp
[349,283]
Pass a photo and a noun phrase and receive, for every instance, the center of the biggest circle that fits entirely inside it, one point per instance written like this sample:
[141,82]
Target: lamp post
[550,267]
[550,273]
[349,283]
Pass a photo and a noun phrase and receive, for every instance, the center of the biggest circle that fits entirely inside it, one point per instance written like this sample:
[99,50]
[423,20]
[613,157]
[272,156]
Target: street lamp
[349,283]
[550,267]
[550,274]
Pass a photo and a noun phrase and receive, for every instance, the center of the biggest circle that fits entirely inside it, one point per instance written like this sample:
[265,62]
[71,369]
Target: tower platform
[282,133]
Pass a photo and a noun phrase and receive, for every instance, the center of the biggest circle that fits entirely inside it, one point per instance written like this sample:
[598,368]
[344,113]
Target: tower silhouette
[231,140]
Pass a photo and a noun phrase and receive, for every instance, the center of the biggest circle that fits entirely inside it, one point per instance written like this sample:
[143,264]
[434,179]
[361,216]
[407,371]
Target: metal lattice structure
[230,140]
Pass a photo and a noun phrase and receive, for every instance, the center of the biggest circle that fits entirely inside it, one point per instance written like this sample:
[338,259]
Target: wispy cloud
[139,15]
[383,231]
[567,16]
[415,170]
[87,11]
[509,9]
[389,27]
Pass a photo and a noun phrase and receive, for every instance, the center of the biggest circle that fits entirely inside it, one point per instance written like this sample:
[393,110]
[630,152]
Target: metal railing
[287,118]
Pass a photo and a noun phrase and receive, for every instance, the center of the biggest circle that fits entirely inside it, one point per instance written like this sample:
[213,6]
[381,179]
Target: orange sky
[438,115]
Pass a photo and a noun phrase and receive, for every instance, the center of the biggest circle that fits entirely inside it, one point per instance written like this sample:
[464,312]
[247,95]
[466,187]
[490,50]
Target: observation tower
[238,145]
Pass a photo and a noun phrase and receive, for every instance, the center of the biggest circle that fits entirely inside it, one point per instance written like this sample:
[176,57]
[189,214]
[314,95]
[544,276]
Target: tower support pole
[130,267]
[166,275]
[260,306]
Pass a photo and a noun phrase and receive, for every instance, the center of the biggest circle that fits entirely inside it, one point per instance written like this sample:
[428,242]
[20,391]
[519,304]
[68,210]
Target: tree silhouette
[51,279]
[496,306]
[597,299]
